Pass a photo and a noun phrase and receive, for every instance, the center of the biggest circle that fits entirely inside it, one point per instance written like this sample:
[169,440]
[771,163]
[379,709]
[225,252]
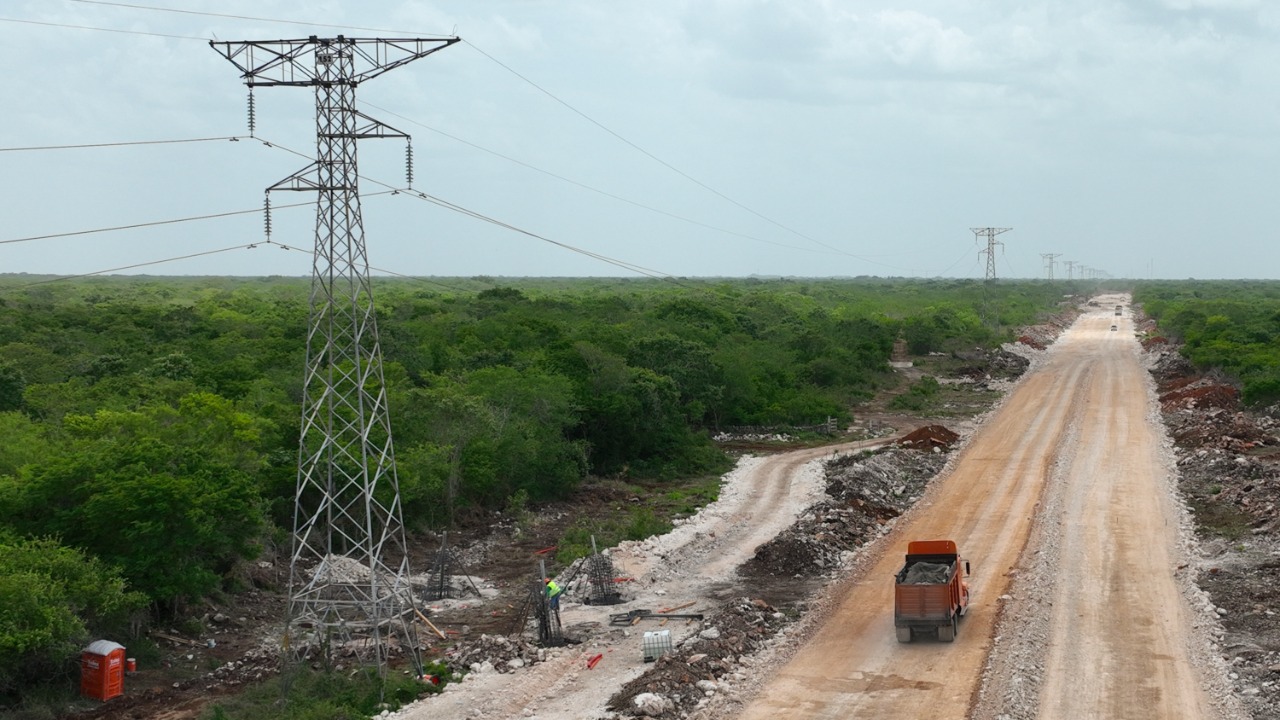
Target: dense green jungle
[1232,326]
[151,424]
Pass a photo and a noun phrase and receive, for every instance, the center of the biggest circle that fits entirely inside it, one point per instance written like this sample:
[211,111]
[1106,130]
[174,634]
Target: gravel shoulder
[1101,619]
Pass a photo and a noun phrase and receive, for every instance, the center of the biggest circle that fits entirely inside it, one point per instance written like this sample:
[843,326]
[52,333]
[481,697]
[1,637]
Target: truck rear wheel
[904,634]
[947,633]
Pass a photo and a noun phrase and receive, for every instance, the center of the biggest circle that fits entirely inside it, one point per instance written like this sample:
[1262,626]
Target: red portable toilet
[102,670]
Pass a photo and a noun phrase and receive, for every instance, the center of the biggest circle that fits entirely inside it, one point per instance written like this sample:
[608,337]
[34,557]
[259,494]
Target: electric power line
[391,189]
[229,138]
[541,89]
[664,163]
[584,186]
[102,29]
[957,262]
[132,6]
[135,266]
[154,223]
[419,278]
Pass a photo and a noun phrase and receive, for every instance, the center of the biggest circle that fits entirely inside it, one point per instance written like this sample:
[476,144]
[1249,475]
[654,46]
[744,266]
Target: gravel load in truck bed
[926,573]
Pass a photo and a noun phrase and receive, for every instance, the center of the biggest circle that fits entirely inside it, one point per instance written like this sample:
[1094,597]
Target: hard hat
[546,580]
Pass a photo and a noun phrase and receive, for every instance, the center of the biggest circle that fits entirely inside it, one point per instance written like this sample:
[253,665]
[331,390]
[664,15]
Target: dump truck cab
[930,592]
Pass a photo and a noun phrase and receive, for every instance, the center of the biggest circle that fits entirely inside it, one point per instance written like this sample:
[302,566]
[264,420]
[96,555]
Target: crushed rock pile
[1042,336]
[494,653]
[1000,363]
[703,665]
[925,573]
[1229,471]
[865,492]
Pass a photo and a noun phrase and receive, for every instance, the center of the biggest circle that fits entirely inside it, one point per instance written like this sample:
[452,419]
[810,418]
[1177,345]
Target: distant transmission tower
[347,525]
[990,234]
[1070,267]
[1049,262]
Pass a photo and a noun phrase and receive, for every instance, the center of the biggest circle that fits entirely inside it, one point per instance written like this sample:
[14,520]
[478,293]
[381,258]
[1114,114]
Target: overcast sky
[720,137]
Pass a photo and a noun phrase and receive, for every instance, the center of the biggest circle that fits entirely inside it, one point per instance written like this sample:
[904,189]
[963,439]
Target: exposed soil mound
[1201,396]
[929,436]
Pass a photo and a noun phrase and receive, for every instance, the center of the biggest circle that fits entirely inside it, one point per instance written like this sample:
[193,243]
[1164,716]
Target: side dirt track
[1117,644]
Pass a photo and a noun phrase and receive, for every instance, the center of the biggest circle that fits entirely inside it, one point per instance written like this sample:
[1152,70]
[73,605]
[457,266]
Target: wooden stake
[428,622]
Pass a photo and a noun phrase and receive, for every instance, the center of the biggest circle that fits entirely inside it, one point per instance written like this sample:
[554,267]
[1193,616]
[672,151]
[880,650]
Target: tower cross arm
[265,63]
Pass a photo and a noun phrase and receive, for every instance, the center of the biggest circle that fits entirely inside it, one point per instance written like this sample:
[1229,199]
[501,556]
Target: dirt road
[1117,644]
[693,565]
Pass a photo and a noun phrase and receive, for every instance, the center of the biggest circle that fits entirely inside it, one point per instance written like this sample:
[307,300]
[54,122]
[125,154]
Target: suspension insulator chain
[253,115]
[408,164]
[266,214]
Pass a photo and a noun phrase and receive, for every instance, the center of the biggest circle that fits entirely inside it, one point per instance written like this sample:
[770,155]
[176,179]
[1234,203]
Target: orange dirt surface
[929,436]
[1116,645]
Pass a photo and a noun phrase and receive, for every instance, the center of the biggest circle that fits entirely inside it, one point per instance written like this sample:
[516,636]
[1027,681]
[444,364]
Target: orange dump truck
[930,593]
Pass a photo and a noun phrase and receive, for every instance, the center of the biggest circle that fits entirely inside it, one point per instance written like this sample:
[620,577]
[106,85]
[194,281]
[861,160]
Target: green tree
[12,385]
[52,598]
[174,516]
[24,442]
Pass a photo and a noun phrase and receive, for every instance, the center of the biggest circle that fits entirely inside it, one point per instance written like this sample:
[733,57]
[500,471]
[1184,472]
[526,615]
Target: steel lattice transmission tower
[1050,259]
[349,572]
[990,234]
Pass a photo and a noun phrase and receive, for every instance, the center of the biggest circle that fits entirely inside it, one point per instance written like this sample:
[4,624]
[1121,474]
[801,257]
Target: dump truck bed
[929,593]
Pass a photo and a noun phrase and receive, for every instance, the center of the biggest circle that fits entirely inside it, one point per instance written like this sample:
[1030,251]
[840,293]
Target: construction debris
[1229,472]
[634,616]
[680,680]
[866,492]
[494,653]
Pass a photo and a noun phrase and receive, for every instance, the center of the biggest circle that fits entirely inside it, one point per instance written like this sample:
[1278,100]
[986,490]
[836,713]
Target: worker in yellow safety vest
[553,593]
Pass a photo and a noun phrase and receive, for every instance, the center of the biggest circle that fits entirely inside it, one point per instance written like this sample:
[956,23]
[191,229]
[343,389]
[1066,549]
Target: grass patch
[919,395]
[351,695]
[1218,519]
[645,514]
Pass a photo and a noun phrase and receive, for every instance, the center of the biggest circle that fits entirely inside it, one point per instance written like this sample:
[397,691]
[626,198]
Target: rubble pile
[1201,395]
[998,363]
[1042,336]
[1229,472]
[701,666]
[494,653]
[1031,342]
[865,493]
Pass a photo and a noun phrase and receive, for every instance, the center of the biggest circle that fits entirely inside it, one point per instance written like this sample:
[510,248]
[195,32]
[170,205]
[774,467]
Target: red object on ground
[102,670]
[544,551]
[591,664]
